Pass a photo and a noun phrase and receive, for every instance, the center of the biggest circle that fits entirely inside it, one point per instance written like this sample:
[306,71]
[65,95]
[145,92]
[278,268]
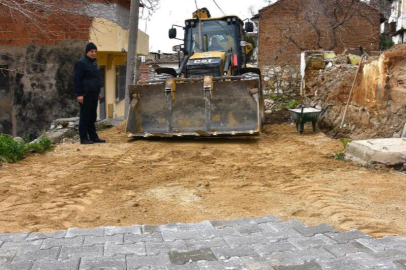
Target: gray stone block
[341,250]
[345,263]
[214,233]
[232,264]
[155,262]
[198,244]
[38,235]
[148,229]
[372,244]
[318,240]
[265,219]
[235,241]
[311,231]
[306,266]
[187,266]
[71,264]
[156,267]
[158,248]
[277,234]
[73,232]
[226,253]
[181,235]
[22,265]
[298,257]
[219,224]
[248,229]
[112,250]
[282,226]
[63,242]
[345,237]
[181,258]
[96,240]
[392,241]
[20,247]
[79,252]
[103,263]
[257,263]
[13,237]
[269,248]
[204,225]
[134,238]
[136,229]
[42,254]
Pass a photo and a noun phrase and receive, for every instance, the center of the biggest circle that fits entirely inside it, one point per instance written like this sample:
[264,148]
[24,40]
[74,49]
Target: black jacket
[87,77]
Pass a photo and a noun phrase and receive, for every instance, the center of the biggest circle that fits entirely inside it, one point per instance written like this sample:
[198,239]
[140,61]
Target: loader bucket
[186,107]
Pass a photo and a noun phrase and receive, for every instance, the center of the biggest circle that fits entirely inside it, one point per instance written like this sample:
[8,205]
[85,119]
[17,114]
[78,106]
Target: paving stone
[345,237]
[235,241]
[271,230]
[38,235]
[148,229]
[248,229]
[305,266]
[214,233]
[155,262]
[136,229]
[341,250]
[371,261]
[20,247]
[187,266]
[225,253]
[111,249]
[73,232]
[76,252]
[63,242]
[71,264]
[257,263]
[219,224]
[265,219]
[269,248]
[158,248]
[198,244]
[344,263]
[96,240]
[134,238]
[103,263]
[181,235]
[158,267]
[288,258]
[318,240]
[232,264]
[392,241]
[181,258]
[204,225]
[401,263]
[42,254]
[372,244]
[13,237]
[23,265]
[389,254]
[312,231]
[281,226]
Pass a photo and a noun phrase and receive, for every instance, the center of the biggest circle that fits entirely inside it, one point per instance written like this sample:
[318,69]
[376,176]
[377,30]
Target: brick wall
[275,49]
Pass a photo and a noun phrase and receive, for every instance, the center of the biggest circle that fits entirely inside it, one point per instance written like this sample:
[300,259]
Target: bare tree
[326,20]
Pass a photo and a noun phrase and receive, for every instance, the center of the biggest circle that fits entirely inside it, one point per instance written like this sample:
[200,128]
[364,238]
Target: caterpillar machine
[213,93]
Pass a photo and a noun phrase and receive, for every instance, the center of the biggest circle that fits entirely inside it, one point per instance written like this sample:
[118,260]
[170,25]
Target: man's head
[91,50]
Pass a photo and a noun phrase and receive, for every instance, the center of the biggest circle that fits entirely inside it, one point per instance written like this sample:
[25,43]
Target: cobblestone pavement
[264,243]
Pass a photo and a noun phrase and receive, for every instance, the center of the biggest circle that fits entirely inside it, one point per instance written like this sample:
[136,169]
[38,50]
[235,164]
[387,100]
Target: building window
[121,72]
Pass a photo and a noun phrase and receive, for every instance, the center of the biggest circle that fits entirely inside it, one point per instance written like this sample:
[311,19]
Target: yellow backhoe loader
[213,93]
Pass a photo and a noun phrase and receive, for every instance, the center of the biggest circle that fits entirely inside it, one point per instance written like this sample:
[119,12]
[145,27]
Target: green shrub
[341,155]
[13,151]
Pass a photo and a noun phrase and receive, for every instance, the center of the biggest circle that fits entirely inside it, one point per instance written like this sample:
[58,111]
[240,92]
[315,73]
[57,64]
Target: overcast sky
[177,11]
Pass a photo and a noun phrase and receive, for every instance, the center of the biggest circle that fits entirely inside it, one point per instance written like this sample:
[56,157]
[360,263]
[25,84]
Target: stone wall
[283,80]
[41,86]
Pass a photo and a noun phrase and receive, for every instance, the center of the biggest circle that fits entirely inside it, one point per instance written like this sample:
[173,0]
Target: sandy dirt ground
[127,182]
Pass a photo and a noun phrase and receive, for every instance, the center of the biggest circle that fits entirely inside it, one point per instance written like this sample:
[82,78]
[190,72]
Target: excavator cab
[213,93]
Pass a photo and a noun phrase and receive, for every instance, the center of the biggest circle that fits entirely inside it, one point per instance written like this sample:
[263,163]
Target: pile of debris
[66,129]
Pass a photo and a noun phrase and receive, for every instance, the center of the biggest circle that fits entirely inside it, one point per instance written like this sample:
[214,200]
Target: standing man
[87,90]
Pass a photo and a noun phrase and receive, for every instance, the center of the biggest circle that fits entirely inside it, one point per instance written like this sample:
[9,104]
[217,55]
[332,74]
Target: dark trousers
[88,116]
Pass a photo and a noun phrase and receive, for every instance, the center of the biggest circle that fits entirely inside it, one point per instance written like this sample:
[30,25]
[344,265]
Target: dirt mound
[126,182]
[377,106]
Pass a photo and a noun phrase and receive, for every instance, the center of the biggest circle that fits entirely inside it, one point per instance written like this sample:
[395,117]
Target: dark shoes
[86,142]
[98,140]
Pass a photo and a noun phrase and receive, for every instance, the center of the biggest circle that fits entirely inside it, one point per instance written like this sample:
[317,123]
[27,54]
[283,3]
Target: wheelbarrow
[309,114]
